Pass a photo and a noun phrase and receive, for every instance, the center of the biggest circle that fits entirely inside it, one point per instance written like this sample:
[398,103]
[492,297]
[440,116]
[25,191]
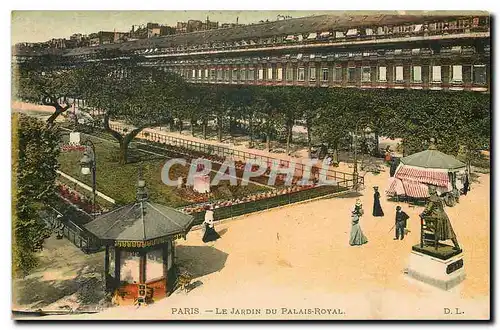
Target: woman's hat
[358,202]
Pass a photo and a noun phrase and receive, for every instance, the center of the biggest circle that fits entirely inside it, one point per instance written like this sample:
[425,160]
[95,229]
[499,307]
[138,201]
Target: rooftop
[320,23]
[141,221]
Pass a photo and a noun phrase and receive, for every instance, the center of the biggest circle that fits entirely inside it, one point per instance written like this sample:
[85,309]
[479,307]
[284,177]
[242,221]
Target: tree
[309,103]
[452,118]
[335,118]
[221,107]
[290,112]
[36,148]
[207,108]
[269,102]
[246,103]
[139,96]
[377,110]
[47,87]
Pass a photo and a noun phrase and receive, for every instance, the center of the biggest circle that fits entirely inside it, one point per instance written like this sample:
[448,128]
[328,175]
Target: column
[117,266]
[142,267]
[106,268]
[165,267]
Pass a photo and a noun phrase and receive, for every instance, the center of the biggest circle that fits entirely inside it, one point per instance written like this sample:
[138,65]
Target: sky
[36,26]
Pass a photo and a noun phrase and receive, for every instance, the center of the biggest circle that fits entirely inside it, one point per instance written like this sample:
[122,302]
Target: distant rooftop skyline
[39,26]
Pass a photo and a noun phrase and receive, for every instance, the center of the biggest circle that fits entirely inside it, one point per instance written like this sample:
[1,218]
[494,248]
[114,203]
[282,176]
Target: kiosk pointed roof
[140,221]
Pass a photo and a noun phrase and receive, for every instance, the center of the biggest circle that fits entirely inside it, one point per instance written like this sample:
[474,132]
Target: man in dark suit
[401,218]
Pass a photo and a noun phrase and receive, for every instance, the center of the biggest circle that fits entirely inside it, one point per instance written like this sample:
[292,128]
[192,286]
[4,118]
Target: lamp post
[88,165]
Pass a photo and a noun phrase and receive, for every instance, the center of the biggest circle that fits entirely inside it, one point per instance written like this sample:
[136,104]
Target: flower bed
[76,198]
[177,151]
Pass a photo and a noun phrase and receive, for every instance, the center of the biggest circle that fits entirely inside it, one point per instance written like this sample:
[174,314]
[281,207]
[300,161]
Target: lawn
[119,181]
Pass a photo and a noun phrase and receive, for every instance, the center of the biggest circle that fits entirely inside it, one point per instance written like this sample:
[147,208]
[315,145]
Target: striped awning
[434,177]
[416,189]
[409,188]
[395,187]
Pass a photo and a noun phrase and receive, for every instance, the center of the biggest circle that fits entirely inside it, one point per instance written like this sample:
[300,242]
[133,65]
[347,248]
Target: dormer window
[352,32]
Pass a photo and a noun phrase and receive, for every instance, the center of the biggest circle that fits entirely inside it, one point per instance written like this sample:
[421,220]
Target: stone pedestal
[442,268]
[201,184]
[74,138]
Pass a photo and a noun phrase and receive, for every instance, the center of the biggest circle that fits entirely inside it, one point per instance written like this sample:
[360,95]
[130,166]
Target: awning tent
[417,171]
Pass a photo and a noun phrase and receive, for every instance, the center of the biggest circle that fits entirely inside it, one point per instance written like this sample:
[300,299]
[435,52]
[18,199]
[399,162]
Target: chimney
[237,18]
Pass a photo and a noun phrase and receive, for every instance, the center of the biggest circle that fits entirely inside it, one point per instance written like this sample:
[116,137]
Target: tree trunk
[336,152]
[124,141]
[287,144]
[219,128]
[205,123]
[290,131]
[268,140]
[123,151]
[193,122]
[308,127]
[180,126]
[250,124]
[231,125]
[363,150]
[58,110]
[377,145]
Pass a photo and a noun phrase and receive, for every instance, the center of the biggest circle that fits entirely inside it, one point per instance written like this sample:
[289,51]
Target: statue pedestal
[201,184]
[442,268]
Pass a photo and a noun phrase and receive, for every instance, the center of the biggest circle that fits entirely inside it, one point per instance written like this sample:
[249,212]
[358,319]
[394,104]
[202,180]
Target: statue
[435,220]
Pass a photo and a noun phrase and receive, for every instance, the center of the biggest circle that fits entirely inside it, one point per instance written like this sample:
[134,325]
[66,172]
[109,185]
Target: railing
[237,155]
[238,209]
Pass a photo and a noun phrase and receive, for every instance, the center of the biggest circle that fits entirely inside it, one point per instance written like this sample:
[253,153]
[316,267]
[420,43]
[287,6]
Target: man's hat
[398,208]
[375,187]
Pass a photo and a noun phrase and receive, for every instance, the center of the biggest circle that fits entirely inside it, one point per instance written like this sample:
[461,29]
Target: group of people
[358,238]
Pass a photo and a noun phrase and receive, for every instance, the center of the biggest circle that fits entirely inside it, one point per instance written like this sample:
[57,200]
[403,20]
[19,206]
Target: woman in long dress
[377,208]
[357,236]
[210,233]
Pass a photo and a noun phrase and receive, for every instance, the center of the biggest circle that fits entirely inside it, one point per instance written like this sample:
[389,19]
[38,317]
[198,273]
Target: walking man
[401,218]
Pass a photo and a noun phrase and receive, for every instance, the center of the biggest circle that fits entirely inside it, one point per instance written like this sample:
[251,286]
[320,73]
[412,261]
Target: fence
[238,155]
[267,203]
[61,213]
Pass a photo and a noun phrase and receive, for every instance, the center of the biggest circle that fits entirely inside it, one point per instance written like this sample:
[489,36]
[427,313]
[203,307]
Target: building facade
[380,51]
